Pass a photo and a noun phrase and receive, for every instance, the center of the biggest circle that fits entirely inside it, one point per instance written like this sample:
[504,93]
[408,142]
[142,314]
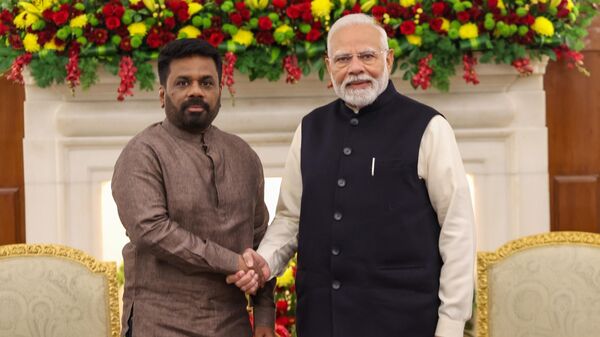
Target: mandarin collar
[379,102]
[173,130]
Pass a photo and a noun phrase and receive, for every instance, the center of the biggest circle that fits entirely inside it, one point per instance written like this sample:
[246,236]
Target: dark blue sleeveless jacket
[368,256]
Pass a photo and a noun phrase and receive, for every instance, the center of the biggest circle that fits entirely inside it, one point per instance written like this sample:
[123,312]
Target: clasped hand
[252,274]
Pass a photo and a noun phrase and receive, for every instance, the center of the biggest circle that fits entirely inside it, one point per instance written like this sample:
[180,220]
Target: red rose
[154,40]
[45,36]
[112,22]
[313,35]
[265,37]
[245,13]
[562,13]
[236,19]
[307,16]
[438,8]
[6,16]
[60,17]
[216,38]
[48,14]
[281,331]
[279,3]
[407,27]
[281,305]
[169,23]
[463,16]
[390,31]
[167,37]
[264,23]
[283,320]
[125,44]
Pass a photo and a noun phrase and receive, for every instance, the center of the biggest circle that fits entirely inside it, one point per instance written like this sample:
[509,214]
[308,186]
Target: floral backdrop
[67,41]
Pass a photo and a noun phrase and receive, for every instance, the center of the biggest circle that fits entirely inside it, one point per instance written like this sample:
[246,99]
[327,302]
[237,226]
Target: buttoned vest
[368,256]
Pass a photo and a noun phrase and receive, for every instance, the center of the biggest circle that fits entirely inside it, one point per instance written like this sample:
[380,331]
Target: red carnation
[378,12]
[183,14]
[265,37]
[125,44]
[492,3]
[438,8]
[112,22]
[48,14]
[3,28]
[390,31]
[313,35]
[281,305]
[60,17]
[45,36]
[293,12]
[15,41]
[407,27]
[463,16]
[264,23]
[169,23]
[283,320]
[216,38]
[527,20]
[279,3]
[154,40]
[113,9]
[240,5]
[236,19]
[436,25]
[6,16]
[98,36]
[167,37]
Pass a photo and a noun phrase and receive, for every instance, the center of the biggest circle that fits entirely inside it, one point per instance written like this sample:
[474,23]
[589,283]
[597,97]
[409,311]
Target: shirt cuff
[447,327]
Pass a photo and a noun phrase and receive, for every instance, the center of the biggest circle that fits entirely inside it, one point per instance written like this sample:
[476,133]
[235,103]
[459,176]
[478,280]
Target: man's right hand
[254,272]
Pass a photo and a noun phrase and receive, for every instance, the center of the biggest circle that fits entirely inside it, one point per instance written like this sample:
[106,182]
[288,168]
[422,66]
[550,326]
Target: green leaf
[49,69]
[89,71]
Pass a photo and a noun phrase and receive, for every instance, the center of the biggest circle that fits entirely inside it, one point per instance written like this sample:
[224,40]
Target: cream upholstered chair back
[545,285]
[56,291]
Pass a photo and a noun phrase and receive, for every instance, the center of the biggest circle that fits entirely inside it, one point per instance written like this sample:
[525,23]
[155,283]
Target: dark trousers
[130,330]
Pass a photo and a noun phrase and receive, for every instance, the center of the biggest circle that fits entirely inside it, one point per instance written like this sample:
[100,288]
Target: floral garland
[66,41]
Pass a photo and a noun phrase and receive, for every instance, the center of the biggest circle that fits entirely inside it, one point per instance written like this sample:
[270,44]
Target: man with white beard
[374,199]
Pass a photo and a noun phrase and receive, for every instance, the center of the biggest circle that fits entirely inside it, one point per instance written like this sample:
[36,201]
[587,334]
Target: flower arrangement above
[67,41]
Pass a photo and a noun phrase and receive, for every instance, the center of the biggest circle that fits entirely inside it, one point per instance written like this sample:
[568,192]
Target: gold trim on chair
[487,259]
[107,268]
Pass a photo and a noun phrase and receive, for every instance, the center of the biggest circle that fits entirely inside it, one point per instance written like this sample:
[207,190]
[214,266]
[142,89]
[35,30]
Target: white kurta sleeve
[281,240]
[441,166]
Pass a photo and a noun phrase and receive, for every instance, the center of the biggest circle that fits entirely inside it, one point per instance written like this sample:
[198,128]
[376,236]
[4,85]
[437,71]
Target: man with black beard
[375,200]
[190,197]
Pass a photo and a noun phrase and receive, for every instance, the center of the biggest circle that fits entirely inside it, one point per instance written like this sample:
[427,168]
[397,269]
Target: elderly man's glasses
[368,57]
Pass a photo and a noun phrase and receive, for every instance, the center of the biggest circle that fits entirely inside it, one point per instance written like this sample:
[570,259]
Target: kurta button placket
[347,151]
[337,216]
[335,251]
[336,285]
[341,182]
[354,121]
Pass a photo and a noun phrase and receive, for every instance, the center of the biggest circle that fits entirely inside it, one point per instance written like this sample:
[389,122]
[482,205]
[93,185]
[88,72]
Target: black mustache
[195,101]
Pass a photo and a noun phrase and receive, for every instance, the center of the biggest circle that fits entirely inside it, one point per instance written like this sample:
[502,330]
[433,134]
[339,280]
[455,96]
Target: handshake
[253,272]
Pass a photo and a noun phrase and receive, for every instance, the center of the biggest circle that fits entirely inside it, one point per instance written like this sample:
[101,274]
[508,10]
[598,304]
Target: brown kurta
[190,204]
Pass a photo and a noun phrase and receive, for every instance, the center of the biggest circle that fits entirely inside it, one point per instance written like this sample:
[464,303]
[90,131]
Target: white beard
[361,97]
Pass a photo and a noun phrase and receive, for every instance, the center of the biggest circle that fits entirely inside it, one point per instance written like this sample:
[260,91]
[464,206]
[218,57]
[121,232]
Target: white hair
[356,19]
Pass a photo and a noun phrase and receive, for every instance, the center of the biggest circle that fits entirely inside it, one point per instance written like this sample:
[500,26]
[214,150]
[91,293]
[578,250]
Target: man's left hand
[263,331]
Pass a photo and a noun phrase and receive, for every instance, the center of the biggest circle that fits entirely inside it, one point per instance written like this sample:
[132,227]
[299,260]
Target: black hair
[182,48]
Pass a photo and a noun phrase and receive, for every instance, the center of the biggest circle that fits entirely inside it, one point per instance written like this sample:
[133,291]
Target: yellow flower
[30,42]
[257,4]
[407,3]
[414,39]
[243,37]
[134,2]
[445,25]
[501,4]
[194,8]
[283,29]
[191,32]
[321,8]
[543,1]
[543,26]
[79,21]
[138,28]
[51,45]
[286,279]
[25,19]
[468,31]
